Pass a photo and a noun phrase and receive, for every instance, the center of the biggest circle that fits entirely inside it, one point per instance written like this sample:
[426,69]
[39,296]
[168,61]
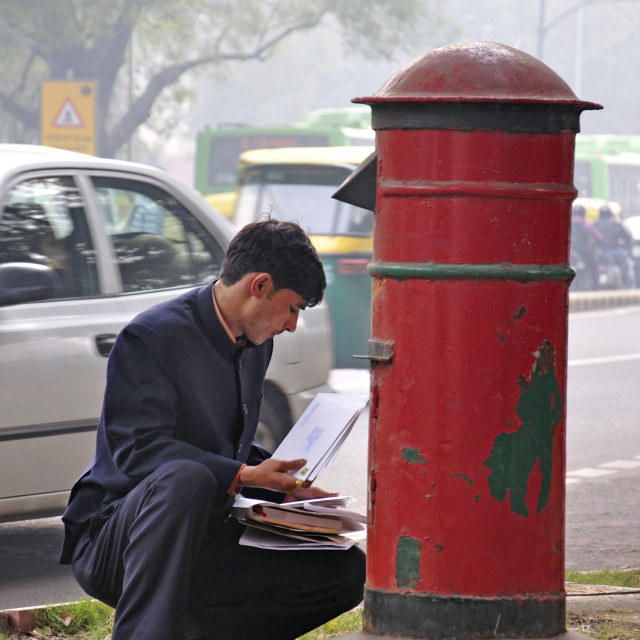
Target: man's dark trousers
[163,552]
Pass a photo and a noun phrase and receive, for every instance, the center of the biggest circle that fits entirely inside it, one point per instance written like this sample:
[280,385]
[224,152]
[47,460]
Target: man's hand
[273,474]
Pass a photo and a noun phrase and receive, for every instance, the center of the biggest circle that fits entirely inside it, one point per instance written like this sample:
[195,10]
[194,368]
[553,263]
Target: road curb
[22,620]
[593,598]
[594,300]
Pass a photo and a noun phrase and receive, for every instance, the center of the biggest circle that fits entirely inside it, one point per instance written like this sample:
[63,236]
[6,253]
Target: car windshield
[302,194]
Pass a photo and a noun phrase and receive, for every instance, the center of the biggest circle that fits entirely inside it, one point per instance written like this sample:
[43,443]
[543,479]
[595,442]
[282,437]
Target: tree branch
[140,110]
[29,117]
[25,74]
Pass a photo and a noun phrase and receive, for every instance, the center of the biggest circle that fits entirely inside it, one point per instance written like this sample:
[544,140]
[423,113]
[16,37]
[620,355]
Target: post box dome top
[477,72]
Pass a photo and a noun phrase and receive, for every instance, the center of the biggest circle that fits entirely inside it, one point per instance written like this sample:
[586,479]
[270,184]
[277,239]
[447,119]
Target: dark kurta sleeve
[143,419]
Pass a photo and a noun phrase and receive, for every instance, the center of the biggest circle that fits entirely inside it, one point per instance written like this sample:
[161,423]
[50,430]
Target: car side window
[42,221]
[158,243]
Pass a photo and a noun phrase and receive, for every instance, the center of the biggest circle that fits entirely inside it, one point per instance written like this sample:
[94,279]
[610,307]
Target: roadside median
[598,598]
[594,300]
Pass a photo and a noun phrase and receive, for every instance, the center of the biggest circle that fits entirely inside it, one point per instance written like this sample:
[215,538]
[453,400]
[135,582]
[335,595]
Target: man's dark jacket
[178,388]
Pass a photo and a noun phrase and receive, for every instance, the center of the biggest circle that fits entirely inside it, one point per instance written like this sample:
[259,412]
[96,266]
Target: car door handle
[105,342]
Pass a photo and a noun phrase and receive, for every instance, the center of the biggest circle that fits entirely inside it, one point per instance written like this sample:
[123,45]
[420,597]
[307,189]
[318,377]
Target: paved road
[603,520]
[603,440]
[29,572]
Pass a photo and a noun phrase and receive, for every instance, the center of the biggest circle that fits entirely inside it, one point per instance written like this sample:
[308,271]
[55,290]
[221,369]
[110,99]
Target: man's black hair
[281,249]
[605,212]
[579,210]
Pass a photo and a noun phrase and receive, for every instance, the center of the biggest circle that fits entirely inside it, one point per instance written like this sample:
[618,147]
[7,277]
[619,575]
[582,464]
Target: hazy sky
[311,70]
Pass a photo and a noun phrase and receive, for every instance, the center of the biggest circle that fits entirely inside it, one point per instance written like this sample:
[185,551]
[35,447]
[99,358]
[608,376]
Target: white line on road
[604,360]
[621,464]
[604,469]
[590,472]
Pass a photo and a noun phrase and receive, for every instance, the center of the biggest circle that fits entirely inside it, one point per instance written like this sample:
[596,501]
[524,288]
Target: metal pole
[541,29]
[130,94]
[577,81]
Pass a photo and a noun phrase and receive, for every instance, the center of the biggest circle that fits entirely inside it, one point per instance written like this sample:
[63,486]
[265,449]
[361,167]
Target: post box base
[364,635]
[443,617]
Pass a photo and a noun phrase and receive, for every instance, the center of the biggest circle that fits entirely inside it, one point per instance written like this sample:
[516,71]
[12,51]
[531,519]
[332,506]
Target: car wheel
[275,419]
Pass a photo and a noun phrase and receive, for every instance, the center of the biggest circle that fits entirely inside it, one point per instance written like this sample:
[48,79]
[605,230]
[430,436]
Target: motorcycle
[601,272]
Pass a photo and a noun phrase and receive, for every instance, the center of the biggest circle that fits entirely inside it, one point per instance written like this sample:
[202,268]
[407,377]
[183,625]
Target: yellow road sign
[67,115]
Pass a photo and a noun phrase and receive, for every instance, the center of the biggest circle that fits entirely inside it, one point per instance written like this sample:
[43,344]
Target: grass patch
[346,623]
[86,620]
[92,620]
[609,625]
[606,626]
[614,578]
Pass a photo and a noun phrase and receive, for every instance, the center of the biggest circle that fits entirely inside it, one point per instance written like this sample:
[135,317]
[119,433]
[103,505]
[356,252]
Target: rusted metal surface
[477,72]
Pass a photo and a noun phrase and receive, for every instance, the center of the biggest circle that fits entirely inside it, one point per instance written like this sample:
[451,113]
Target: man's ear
[260,285]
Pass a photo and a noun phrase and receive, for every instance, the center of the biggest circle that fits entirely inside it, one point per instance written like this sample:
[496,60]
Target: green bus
[353,117]
[607,143]
[608,167]
[217,150]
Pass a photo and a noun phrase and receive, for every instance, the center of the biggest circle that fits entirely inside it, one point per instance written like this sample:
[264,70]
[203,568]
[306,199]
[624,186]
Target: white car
[85,244]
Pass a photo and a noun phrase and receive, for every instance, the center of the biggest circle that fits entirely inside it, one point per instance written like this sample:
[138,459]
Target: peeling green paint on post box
[408,562]
[516,453]
[412,456]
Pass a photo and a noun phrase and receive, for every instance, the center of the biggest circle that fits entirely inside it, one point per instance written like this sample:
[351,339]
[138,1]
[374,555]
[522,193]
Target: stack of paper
[307,524]
[320,432]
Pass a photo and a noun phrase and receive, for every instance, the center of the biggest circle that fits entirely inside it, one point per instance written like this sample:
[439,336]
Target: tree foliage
[167,40]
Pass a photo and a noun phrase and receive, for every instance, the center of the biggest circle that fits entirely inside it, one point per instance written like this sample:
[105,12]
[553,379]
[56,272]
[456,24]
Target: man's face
[271,313]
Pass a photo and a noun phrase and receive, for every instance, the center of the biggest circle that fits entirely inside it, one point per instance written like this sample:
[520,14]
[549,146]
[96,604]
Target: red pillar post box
[475,146]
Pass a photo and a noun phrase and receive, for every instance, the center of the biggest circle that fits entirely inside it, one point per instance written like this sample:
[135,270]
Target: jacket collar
[212,326]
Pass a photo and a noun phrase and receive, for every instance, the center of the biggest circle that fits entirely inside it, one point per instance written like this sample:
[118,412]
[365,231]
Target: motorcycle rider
[618,243]
[585,239]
